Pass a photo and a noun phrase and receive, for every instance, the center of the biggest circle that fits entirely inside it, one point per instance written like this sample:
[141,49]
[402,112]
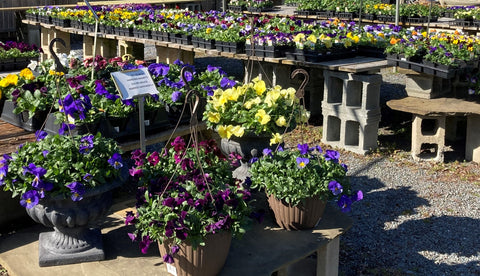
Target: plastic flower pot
[204,261]
[305,215]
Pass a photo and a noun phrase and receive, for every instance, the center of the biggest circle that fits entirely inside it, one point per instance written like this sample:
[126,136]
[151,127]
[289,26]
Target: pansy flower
[30,199]
[116,161]
[77,189]
[302,162]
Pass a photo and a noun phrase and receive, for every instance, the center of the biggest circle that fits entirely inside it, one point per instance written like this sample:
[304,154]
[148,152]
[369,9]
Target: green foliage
[281,174]
[64,163]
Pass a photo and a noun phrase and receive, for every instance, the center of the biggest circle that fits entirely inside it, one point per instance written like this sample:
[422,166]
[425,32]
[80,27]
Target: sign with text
[134,82]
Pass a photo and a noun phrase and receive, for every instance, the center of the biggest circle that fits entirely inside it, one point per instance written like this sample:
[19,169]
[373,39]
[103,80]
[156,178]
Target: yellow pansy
[259,86]
[213,117]
[277,138]
[228,131]
[222,131]
[281,121]
[299,37]
[208,30]
[262,117]
[10,79]
[272,97]
[312,38]
[53,72]
[237,131]
[27,74]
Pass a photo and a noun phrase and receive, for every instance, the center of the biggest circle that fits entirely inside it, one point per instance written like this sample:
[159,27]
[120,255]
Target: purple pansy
[332,155]
[29,199]
[77,189]
[116,161]
[335,187]
[302,162]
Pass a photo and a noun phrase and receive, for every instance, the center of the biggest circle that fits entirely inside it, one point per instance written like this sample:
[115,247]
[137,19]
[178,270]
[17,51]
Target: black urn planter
[73,239]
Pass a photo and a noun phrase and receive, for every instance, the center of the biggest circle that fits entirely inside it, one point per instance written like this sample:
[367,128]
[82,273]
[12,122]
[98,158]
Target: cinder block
[426,86]
[351,110]
[472,144]
[47,35]
[170,55]
[137,50]
[428,130]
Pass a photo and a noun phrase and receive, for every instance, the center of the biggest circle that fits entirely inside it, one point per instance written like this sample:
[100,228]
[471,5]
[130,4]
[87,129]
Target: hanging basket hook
[301,90]
[58,65]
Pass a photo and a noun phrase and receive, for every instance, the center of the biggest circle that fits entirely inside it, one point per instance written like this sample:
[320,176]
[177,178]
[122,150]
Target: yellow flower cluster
[27,74]
[250,105]
[10,79]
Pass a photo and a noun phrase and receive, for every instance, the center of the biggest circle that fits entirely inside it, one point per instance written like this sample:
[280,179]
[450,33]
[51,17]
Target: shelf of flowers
[17,55]
[264,35]
[441,54]
[85,105]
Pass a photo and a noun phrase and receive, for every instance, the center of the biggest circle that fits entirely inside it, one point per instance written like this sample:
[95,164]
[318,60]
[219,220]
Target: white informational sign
[134,83]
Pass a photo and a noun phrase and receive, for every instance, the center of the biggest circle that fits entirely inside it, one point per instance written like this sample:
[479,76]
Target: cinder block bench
[438,111]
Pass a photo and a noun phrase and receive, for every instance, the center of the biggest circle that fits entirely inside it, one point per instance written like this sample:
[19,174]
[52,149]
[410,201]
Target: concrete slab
[19,252]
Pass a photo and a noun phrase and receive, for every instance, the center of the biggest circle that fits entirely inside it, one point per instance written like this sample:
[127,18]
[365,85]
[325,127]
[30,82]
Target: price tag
[172,269]
[132,83]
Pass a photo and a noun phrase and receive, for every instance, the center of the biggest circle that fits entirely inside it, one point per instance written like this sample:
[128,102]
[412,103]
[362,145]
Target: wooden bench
[439,111]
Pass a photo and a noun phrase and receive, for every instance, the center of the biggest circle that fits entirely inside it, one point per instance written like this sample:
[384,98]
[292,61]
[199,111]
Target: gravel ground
[416,218]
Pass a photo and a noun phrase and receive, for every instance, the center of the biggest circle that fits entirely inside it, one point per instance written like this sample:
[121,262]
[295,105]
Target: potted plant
[299,182]
[190,204]
[251,117]
[65,182]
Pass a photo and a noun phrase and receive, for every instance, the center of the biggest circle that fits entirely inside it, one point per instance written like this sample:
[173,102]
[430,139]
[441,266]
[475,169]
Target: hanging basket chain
[192,100]
[301,96]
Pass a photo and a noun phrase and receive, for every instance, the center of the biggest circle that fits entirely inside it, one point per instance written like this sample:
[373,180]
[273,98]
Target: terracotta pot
[206,260]
[305,215]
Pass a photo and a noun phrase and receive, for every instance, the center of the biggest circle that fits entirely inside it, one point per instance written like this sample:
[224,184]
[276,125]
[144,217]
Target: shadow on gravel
[390,237]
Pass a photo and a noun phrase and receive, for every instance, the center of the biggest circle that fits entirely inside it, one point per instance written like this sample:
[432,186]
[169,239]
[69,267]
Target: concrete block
[428,130]
[427,86]
[47,35]
[137,50]
[169,55]
[472,143]
[351,110]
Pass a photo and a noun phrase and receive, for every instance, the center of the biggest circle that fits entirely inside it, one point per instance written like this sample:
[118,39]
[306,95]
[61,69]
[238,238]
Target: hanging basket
[204,261]
[305,215]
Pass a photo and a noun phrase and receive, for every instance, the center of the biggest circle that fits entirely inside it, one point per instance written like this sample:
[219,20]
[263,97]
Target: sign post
[136,83]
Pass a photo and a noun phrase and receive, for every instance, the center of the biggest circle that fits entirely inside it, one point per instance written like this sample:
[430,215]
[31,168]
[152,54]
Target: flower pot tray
[438,70]
[29,124]
[230,47]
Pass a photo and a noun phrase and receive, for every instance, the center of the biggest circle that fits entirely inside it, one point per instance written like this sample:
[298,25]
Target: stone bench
[440,111]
